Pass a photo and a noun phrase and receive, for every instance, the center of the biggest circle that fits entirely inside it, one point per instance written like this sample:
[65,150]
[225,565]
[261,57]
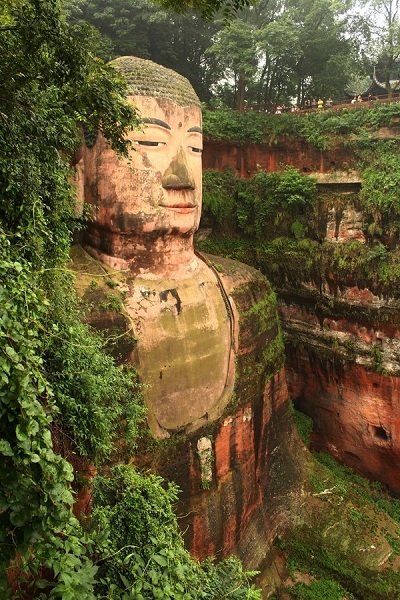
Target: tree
[286,49]
[140,28]
[236,51]
[383,20]
[324,52]
[207,8]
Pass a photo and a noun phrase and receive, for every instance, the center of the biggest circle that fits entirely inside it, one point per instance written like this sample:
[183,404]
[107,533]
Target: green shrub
[304,426]
[322,589]
[141,552]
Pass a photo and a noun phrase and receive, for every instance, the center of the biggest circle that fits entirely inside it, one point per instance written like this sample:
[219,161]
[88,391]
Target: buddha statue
[147,210]
[202,331]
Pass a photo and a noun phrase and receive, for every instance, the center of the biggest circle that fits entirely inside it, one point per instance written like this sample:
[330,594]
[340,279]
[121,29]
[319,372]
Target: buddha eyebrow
[196,129]
[157,122]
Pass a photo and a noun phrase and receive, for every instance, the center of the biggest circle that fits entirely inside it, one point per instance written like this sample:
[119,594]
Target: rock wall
[339,163]
[343,363]
[342,332]
[355,413]
[247,159]
[333,376]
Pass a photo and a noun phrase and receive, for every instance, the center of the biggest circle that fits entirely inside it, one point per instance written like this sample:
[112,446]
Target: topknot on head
[146,78]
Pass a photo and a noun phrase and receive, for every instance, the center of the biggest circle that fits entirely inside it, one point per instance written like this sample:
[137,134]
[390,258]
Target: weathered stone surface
[337,165]
[185,353]
[343,371]
[240,472]
[342,334]
[345,224]
[257,471]
[355,413]
[148,205]
[246,159]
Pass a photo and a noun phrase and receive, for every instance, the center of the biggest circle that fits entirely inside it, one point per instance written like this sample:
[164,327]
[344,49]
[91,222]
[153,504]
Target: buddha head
[148,206]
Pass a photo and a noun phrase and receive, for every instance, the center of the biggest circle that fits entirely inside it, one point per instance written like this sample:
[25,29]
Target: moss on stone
[146,78]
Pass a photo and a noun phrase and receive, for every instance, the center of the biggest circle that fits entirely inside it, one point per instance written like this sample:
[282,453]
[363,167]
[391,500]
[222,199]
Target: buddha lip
[182,207]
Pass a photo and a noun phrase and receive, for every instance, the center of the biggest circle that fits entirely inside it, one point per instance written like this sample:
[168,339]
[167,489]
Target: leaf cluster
[140,560]
[207,8]
[35,495]
[42,100]
[318,129]
[281,198]
[99,403]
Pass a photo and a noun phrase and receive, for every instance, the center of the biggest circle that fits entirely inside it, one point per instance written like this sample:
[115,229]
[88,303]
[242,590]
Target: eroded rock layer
[339,299]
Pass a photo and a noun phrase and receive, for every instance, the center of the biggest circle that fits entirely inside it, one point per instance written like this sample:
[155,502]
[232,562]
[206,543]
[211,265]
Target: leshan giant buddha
[148,208]
[207,343]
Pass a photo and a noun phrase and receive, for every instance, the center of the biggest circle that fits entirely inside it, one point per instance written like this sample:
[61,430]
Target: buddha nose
[177,176]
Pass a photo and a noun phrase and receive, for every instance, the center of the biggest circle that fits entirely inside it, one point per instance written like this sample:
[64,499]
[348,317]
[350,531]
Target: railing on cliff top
[336,104]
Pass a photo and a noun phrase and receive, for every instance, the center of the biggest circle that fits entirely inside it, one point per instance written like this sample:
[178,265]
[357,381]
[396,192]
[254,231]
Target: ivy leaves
[35,499]
[49,80]
[142,554]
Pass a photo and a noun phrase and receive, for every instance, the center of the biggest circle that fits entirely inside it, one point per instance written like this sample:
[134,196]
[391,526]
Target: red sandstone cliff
[342,332]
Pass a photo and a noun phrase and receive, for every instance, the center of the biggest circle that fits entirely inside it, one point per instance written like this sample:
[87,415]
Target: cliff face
[246,160]
[343,363]
[241,474]
[340,309]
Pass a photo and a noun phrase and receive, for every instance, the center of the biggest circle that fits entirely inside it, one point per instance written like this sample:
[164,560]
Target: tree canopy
[267,52]
[207,8]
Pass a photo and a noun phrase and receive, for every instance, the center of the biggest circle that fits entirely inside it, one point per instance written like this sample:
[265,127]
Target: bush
[141,552]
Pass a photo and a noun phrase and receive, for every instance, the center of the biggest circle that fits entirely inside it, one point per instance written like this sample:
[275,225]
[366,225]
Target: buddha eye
[194,149]
[148,143]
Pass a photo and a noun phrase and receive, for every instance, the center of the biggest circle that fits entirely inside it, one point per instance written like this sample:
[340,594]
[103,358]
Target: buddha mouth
[182,207]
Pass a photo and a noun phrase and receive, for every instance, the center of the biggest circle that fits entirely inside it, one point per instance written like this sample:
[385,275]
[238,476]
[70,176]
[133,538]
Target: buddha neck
[167,256]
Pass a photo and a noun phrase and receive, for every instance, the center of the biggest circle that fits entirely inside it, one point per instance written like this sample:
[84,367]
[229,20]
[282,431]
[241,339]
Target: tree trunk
[240,96]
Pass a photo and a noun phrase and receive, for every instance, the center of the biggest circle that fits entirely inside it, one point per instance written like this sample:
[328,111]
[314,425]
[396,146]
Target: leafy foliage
[304,425]
[54,372]
[42,100]
[280,197]
[315,128]
[232,50]
[380,162]
[141,560]
[277,220]
[220,197]
[99,403]
[322,588]
[207,8]
[35,497]
[141,28]
[353,507]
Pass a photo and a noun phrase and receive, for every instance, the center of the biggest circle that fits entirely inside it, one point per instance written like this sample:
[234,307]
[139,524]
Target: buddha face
[158,190]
